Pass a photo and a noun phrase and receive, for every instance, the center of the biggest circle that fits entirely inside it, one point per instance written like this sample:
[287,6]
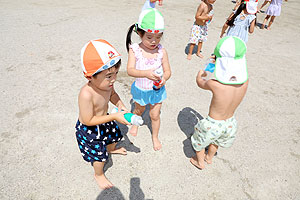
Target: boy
[228,88]
[203,17]
[96,131]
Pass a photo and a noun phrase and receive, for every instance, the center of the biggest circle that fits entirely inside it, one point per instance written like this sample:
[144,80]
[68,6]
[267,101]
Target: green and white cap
[231,66]
[151,20]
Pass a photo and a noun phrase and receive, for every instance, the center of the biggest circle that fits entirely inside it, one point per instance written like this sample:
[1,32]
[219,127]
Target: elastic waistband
[231,119]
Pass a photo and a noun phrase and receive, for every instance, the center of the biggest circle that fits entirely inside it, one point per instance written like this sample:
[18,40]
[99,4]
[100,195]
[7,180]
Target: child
[228,89]
[96,131]
[273,11]
[241,21]
[143,60]
[198,34]
[151,4]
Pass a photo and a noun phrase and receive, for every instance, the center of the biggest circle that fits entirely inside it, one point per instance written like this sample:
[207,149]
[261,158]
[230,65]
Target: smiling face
[105,79]
[151,40]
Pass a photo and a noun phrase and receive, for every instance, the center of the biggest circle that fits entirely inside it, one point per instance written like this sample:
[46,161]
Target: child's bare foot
[207,159]
[268,28]
[156,144]
[103,182]
[195,162]
[121,151]
[189,56]
[133,130]
[199,55]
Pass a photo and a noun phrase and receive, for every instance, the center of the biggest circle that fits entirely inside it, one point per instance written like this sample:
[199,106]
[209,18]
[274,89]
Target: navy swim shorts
[92,140]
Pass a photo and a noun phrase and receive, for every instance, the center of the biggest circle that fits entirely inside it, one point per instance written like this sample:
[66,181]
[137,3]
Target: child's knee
[154,115]
[139,110]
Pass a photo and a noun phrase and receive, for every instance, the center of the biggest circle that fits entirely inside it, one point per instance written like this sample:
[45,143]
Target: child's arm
[201,82]
[225,26]
[166,68]
[86,112]
[115,99]
[200,10]
[252,26]
[132,71]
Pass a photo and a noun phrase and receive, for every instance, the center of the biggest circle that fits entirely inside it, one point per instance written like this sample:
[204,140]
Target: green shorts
[209,131]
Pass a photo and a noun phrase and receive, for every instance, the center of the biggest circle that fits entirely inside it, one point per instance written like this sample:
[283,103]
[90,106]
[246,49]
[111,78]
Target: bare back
[226,99]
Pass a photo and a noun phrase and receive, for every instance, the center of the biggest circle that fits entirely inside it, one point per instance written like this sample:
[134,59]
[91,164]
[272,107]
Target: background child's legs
[111,148]
[138,110]
[102,181]
[271,22]
[155,120]
[265,21]
[199,49]
[212,149]
[189,56]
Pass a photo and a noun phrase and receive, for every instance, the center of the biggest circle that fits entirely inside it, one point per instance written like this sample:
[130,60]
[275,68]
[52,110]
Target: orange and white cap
[98,55]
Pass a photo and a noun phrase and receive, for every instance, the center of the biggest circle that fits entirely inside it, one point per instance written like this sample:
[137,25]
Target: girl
[144,61]
[273,11]
[240,22]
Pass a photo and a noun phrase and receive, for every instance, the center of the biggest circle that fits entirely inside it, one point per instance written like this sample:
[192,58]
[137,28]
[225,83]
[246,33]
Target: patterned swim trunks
[209,131]
[198,34]
[92,140]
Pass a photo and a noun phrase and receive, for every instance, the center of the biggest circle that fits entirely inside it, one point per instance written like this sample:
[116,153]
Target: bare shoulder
[85,93]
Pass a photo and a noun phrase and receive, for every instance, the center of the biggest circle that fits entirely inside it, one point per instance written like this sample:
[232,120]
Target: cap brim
[108,64]
[231,71]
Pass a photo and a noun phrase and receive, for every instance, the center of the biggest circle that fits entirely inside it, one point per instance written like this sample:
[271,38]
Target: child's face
[151,40]
[105,79]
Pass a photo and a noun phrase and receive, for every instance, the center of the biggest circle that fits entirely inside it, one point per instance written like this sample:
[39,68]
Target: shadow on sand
[136,193]
[186,50]
[187,119]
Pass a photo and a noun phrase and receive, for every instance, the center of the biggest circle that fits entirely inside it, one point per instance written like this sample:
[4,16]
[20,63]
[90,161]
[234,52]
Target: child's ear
[89,78]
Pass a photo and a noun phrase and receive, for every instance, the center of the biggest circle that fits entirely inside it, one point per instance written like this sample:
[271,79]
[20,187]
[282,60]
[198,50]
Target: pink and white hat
[251,6]
[98,55]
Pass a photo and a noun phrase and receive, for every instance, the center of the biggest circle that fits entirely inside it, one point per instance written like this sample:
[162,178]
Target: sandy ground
[41,77]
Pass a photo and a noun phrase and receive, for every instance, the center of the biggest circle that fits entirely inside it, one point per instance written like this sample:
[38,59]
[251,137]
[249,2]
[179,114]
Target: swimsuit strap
[160,51]
[136,50]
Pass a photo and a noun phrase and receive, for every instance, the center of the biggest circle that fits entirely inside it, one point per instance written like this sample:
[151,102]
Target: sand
[41,77]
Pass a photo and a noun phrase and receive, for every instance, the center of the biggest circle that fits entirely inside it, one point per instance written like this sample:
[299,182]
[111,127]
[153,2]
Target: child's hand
[162,83]
[123,108]
[119,116]
[152,75]
[201,73]
[209,17]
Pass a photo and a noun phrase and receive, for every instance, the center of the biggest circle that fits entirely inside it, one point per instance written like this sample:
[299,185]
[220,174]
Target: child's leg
[198,160]
[265,3]
[138,110]
[155,120]
[212,149]
[271,22]
[199,49]
[189,56]
[111,148]
[265,21]
[101,179]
